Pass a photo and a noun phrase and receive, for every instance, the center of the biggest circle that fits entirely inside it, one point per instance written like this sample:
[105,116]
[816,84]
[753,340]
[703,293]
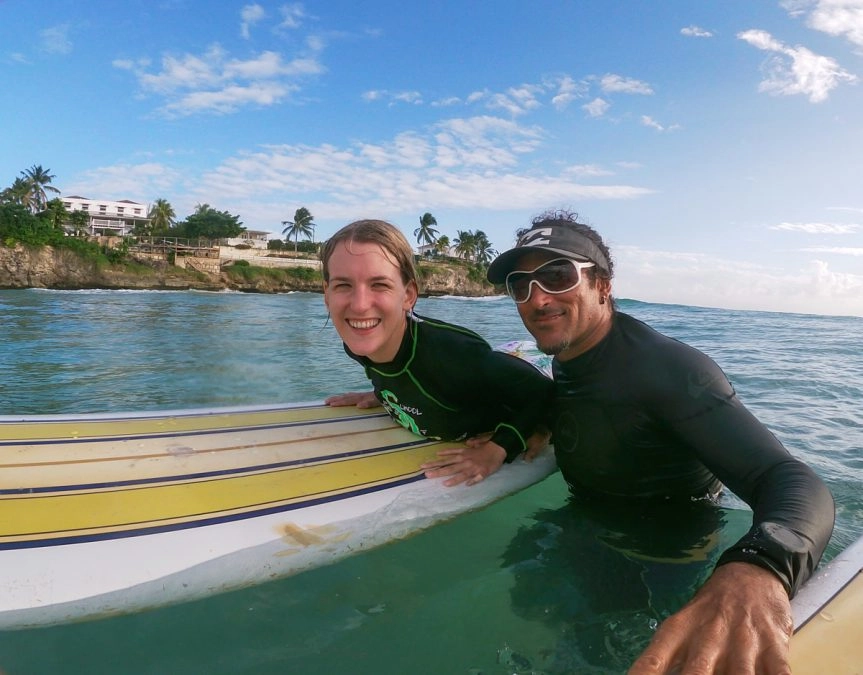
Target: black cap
[552,238]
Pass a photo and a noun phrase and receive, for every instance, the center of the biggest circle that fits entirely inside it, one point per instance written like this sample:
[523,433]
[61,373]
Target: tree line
[467,244]
[27,214]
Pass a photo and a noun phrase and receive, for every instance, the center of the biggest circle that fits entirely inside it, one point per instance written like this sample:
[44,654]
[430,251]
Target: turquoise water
[532,584]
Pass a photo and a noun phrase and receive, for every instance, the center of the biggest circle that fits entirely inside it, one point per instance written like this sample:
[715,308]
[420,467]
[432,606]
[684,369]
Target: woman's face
[367,299]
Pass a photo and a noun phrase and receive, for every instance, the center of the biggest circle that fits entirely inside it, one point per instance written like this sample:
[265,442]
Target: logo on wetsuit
[399,414]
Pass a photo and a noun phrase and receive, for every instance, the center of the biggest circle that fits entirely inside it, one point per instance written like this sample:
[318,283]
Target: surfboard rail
[828,613]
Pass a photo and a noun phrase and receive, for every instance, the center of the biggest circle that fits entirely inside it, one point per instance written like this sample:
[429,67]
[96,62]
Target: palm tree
[18,193]
[426,233]
[441,246]
[465,244]
[302,224]
[162,216]
[482,248]
[39,180]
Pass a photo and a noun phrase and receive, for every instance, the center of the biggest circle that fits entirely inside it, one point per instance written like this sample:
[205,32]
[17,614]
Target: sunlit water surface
[532,584]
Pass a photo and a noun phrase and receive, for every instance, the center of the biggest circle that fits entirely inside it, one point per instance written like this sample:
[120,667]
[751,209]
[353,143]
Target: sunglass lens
[557,276]
[518,285]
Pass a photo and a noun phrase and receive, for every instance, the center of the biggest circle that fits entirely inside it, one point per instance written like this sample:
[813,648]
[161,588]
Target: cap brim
[506,262]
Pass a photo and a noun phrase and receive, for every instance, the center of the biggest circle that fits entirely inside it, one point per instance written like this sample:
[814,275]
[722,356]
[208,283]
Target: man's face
[565,324]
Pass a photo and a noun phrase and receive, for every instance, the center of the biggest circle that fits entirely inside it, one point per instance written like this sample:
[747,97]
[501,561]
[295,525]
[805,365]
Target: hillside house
[107,218]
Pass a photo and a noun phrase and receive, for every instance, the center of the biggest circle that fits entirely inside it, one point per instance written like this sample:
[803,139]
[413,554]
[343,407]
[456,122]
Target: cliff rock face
[449,280]
[46,267]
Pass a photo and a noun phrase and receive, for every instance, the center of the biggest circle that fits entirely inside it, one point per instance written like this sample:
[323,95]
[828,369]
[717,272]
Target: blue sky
[716,145]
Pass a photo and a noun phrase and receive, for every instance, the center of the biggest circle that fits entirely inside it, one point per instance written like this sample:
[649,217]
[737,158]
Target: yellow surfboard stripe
[28,517]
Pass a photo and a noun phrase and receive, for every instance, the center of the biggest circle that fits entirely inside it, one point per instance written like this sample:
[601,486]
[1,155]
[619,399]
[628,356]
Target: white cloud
[393,97]
[648,121]
[412,97]
[817,228]
[214,83]
[567,91]
[834,17]
[55,40]
[469,163]
[695,31]
[587,171]
[250,15]
[836,250]
[446,102]
[597,107]
[796,70]
[228,99]
[292,15]
[516,100]
[611,83]
[702,280]
[139,182]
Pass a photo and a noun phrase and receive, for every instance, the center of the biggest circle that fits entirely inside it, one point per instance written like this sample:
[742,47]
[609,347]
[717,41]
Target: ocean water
[531,584]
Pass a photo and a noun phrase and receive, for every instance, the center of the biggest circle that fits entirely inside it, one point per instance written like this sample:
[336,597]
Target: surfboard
[828,618]
[114,513]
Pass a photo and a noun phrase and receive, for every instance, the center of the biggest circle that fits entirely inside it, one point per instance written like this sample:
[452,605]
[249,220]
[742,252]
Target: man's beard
[553,349]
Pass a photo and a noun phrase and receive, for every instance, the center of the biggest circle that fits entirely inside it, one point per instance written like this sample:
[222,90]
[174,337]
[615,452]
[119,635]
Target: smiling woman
[434,378]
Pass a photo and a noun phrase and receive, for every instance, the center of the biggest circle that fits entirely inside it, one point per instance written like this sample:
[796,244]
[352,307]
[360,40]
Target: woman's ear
[326,295]
[411,295]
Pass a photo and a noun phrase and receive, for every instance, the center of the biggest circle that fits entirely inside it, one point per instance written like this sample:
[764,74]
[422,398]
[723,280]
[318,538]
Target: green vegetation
[208,223]
[19,226]
[275,275]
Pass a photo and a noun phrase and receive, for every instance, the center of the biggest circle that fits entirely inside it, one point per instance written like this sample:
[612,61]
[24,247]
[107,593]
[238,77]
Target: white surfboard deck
[108,514]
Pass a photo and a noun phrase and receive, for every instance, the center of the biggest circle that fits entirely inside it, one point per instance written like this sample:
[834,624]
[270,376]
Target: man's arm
[740,620]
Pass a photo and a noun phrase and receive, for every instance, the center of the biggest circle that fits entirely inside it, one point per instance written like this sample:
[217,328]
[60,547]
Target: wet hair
[564,218]
[384,234]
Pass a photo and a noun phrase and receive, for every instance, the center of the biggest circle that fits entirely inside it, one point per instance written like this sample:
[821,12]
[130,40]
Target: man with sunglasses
[639,416]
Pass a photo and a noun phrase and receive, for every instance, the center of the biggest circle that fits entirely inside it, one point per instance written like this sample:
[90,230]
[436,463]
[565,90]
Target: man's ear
[603,286]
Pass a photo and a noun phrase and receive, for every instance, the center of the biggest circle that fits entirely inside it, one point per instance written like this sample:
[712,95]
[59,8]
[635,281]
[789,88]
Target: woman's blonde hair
[384,234]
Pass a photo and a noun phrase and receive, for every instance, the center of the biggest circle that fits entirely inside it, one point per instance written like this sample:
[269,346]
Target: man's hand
[361,399]
[738,623]
[536,443]
[467,465]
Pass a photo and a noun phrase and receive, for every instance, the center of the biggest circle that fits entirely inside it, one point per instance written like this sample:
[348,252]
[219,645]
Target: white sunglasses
[555,276]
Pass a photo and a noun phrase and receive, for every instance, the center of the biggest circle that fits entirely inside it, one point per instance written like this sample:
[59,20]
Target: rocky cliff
[46,267]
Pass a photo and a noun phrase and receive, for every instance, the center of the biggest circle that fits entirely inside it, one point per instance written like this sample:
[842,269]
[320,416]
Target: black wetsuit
[642,415]
[446,382]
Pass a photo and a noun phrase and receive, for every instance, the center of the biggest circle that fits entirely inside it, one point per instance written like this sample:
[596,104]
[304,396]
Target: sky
[717,146]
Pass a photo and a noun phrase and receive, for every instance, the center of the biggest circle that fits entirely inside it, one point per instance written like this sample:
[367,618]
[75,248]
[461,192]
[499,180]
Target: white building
[107,217]
[430,250]
[251,238]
